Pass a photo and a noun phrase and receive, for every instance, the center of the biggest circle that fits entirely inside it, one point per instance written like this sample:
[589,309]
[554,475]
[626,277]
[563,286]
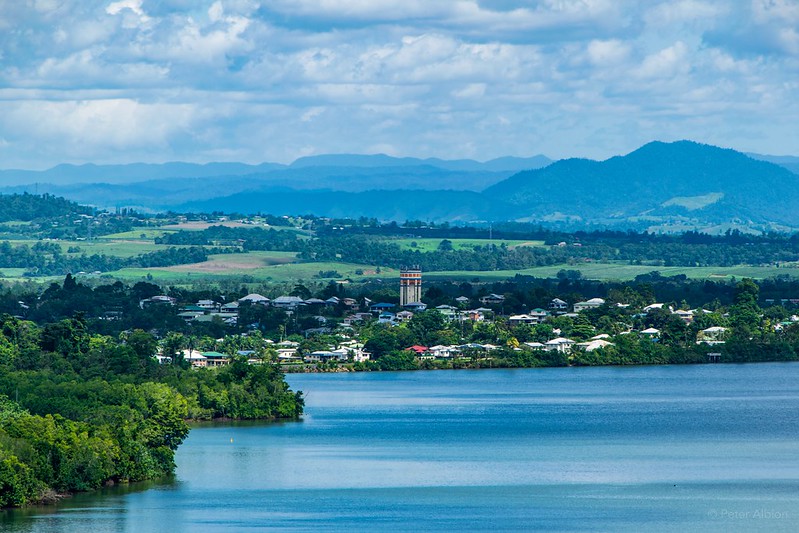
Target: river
[663,448]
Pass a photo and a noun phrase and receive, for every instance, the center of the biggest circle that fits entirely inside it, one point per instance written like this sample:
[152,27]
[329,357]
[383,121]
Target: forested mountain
[28,207]
[657,180]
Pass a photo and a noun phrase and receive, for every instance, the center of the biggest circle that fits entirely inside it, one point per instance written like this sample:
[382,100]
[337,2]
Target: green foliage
[91,409]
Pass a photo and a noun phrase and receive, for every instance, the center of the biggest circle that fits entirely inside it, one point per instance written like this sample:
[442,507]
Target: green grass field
[111,247]
[11,273]
[621,272]
[431,245]
[145,233]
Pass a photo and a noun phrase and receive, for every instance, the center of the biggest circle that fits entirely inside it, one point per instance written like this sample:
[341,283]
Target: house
[287,354]
[403,316]
[593,303]
[535,345]
[475,315]
[195,358]
[652,333]
[594,344]
[713,335]
[188,316]
[415,306]
[354,351]
[540,314]
[492,299]
[418,350]
[386,318]
[208,305]
[559,344]
[254,298]
[558,306]
[350,302]
[535,316]
[216,358]
[251,355]
[230,307]
[156,300]
[462,301]
[287,302]
[357,317]
[515,320]
[380,307]
[327,355]
[444,352]
[449,312]
[687,316]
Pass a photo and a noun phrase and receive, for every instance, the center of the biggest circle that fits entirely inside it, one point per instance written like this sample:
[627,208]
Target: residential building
[559,344]
[593,303]
[492,299]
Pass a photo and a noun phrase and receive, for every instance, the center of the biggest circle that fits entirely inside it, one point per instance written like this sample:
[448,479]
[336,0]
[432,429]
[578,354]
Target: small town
[351,334]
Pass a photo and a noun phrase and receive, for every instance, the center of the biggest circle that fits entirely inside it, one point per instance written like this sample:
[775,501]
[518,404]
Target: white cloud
[666,63]
[608,53]
[449,78]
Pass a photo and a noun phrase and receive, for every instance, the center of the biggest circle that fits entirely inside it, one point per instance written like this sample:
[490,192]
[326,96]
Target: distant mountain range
[680,185]
[168,186]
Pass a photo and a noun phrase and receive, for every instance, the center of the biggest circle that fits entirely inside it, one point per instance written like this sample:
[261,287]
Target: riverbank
[509,358]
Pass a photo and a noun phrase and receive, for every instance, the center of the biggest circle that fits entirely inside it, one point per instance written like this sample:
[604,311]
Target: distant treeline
[47,259]
[367,244]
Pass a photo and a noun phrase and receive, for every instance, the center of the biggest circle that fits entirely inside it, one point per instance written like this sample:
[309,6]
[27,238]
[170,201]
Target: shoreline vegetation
[79,411]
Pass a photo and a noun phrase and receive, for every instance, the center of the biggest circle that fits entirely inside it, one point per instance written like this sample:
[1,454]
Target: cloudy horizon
[241,80]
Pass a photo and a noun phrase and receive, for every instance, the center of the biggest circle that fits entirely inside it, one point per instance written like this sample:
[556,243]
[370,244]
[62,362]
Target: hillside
[397,205]
[658,181]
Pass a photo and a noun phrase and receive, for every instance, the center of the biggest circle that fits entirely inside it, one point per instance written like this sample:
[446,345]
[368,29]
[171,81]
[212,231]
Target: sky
[86,81]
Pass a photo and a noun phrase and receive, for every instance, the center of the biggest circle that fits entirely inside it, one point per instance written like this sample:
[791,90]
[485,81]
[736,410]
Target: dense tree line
[79,410]
[27,207]
[249,239]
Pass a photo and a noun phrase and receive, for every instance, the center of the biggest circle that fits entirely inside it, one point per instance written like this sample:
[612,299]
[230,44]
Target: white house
[713,335]
[559,344]
[594,344]
[536,316]
[254,298]
[593,303]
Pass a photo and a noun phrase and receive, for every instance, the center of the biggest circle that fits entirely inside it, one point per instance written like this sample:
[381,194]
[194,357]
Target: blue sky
[202,80]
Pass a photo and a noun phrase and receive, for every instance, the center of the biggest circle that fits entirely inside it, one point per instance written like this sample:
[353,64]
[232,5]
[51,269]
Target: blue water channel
[662,448]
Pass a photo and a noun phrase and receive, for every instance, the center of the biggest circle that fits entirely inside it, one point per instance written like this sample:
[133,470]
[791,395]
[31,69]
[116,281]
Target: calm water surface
[679,448]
